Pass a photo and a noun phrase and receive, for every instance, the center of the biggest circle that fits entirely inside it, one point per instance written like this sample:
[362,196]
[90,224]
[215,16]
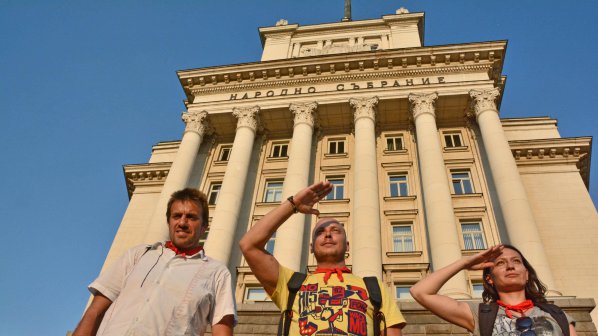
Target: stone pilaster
[366,244]
[197,127]
[288,248]
[519,220]
[440,218]
[226,215]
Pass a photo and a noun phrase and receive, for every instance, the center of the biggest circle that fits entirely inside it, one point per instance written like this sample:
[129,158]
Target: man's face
[185,225]
[329,241]
[509,273]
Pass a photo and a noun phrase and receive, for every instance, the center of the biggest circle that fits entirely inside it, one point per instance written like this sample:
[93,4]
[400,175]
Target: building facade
[423,167]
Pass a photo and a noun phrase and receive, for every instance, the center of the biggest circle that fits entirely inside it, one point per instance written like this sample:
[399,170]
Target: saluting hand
[308,197]
[484,259]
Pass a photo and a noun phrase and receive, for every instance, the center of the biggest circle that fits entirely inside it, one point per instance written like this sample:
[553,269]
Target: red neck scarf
[328,272]
[183,252]
[520,307]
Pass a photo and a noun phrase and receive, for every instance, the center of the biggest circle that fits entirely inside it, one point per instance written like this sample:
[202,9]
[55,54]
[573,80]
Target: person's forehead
[184,205]
[508,253]
[326,222]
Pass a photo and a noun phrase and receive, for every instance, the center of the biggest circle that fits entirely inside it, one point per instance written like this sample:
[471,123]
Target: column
[180,170]
[366,247]
[440,217]
[519,220]
[288,248]
[226,214]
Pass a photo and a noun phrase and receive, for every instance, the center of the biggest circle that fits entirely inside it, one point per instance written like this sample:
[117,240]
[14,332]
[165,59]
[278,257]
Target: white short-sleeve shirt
[155,292]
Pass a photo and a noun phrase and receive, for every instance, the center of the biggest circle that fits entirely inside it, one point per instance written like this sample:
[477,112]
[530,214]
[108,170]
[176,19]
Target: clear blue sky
[86,87]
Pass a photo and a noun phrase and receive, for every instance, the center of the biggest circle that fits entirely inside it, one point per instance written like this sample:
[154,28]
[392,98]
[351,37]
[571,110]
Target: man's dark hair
[534,288]
[191,195]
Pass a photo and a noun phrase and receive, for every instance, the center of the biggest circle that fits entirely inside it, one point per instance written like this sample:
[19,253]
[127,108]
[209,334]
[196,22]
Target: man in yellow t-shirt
[331,300]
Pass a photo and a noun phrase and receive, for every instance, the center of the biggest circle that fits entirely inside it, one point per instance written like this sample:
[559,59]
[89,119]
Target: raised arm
[263,265]
[426,290]
[90,322]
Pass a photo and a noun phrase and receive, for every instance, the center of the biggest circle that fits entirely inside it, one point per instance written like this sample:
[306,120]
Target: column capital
[304,113]
[422,103]
[196,121]
[483,100]
[364,108]
[247,117]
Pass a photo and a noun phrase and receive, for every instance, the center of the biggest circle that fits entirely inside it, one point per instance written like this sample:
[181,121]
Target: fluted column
[440,217]
[289,237]
[519,220]
[226,214]
[180,170]
[366,244]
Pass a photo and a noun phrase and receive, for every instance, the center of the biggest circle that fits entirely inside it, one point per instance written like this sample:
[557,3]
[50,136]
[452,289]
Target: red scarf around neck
[183,252]
[520,307]
[328,272]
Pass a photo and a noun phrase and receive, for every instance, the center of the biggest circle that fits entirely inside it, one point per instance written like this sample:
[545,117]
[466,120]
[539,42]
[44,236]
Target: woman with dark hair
[514,297]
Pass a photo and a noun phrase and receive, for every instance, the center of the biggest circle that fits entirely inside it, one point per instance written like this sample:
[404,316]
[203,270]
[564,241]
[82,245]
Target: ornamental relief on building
[422,103]
[364,108]
[304,113]
[196,121]
[247,117]
[483,100]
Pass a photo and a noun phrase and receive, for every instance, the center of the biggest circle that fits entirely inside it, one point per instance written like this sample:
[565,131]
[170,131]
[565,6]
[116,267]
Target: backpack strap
[373,288]
[286,315]
[486,316]
[558,314]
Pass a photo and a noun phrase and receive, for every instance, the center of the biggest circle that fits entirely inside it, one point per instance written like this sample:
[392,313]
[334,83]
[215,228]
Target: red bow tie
[328,272]
[520,307]
[182,252]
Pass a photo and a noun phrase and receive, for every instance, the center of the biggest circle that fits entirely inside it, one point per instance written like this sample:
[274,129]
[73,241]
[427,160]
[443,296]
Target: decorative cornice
[151,174]
[247,117]
[422,104]
[304,113]
[364,108]
[484,100]
[197,121]
[339,77]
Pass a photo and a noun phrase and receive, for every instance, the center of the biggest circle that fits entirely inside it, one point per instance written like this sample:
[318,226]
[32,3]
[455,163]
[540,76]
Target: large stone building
[424,170]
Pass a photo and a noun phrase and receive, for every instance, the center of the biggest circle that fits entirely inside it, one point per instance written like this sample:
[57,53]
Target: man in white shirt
[168,288]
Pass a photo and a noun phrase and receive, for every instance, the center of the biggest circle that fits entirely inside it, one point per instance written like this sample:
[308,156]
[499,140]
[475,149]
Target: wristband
[290,199]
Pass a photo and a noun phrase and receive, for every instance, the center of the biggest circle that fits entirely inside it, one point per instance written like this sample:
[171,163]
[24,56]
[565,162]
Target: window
[402,292]
[253,294]
[270,244]
[473,237]
[279,150]
[224,154]
[214,192]
[453,140]
[461,182]
[336,146]
[477,289]
[204,237]
[402,238]
[394,143]
[273,192]
[338,188]
[398,185]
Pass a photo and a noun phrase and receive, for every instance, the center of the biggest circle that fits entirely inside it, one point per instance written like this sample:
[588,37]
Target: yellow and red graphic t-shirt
[335,308]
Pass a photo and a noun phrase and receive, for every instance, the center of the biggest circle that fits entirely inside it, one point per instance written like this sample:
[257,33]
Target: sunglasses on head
[524,325]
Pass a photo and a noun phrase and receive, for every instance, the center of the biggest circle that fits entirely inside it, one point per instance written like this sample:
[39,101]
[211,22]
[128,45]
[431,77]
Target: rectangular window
[477,289]
[473,236]
[402,238]
[338,188]
[336,146]
[253,294]
[273,192]
[453,140]
[270,244]
[402,292]
[204,236]
[224,154]
[398,185]
[394,143]
[279,150]
[461,180]
[214,192]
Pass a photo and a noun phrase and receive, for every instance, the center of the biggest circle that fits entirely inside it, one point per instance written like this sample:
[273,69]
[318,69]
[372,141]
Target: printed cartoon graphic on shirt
[542,325]
[332,310]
